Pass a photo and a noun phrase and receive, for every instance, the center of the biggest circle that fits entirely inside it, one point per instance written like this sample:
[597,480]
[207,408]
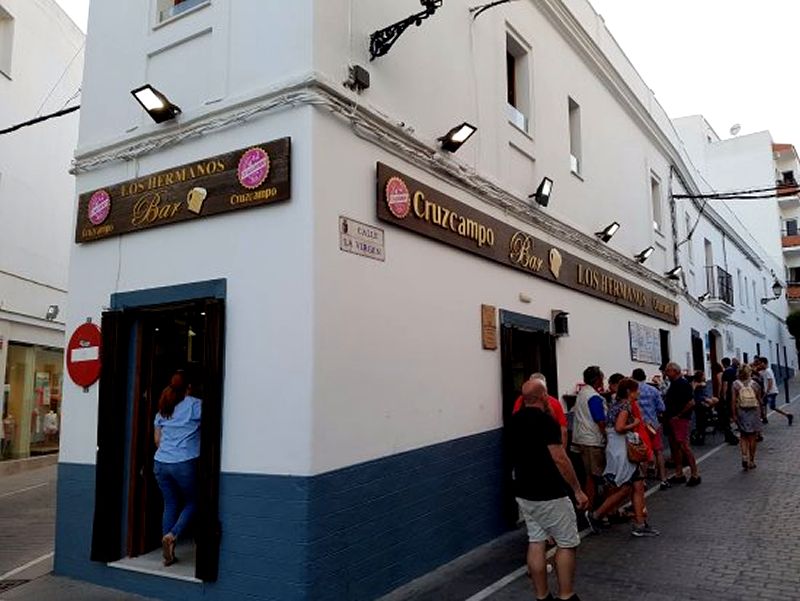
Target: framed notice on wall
[645,343]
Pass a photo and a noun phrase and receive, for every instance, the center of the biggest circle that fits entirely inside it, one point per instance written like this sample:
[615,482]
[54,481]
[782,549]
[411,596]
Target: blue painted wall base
[354,533]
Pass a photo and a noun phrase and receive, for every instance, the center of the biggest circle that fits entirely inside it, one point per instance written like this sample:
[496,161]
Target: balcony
[788,194]
[791,244]
[793,293]
[719,292]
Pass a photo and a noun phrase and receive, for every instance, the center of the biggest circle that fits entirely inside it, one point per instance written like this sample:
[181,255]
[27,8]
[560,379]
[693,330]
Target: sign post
[83,355]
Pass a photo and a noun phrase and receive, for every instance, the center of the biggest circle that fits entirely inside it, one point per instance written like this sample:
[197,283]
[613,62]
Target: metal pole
[786,379]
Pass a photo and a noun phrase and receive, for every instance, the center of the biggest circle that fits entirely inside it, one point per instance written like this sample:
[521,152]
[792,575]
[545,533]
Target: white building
[787,168]
[40,71]
[357,346]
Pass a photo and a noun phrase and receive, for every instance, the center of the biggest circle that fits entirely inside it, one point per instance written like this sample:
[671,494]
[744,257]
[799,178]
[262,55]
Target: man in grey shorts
[543,477]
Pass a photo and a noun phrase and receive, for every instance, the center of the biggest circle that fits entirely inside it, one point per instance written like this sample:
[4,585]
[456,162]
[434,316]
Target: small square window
[172,8]
[655,199]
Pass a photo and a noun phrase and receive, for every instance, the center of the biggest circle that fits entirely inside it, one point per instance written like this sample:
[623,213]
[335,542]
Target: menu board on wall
[645,343]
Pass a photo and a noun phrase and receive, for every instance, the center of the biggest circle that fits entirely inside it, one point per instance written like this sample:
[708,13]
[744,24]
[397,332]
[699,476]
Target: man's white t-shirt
[769,381]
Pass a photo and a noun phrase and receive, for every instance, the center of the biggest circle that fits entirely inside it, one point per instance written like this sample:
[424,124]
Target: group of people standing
[617,440]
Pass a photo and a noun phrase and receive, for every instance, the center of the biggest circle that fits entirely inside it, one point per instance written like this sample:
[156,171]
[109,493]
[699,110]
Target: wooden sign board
[413,206]
[489,327]
[238,180]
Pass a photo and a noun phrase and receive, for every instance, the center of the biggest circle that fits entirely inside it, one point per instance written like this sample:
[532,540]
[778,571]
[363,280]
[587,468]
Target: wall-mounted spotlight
[645,254]
[156,104]
[542,194]
[52,313]
[560,323]
[608,232]
[674,273]
[455,138]
[704,297]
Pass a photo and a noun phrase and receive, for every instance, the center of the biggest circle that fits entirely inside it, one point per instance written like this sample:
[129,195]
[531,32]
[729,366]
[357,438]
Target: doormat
[7,585]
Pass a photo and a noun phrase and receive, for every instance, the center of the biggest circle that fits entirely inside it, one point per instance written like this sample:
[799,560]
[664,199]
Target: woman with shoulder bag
[625,452]
[746,406]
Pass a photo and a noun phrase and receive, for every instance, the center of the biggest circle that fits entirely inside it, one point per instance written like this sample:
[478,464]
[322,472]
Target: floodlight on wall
[52,313]
[542,194]
[156,104]
[674,273]
[455,138]
[777,288]
[606,234]
[704,297]
[645,254]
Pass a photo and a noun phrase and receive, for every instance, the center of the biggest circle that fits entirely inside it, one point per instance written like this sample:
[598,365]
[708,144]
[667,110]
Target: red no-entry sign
[83,355]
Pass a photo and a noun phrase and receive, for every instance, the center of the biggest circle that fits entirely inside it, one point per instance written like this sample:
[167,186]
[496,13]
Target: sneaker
[764,420]
[790,417]
[595,525]
[677,479]
[644,531]
[694,481]
[665,485]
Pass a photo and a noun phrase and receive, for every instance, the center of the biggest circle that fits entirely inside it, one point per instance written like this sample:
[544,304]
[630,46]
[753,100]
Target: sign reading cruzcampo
[414,206]
[245,178]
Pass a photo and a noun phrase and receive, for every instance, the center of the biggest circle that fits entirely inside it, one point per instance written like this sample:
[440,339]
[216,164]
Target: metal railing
[719,284]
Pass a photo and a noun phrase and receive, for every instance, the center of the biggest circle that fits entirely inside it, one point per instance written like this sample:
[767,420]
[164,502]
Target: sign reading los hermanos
[412,205]
[241,179]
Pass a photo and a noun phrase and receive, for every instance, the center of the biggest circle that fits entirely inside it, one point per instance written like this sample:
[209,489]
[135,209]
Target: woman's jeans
[178,484]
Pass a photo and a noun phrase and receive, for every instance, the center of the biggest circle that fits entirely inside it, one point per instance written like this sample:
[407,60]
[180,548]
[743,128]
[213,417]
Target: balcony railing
[719,284]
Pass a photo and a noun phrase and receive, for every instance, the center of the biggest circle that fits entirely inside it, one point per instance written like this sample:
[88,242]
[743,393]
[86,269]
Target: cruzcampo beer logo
[99,207]
[253,168]
[398,197]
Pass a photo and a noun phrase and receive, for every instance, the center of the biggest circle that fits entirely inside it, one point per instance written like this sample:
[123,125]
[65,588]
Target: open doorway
[142,347]
[527,346]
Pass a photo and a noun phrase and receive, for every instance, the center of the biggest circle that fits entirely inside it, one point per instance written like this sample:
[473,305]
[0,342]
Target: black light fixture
[156,104]
[560,323]
[381,41]
[674,273]
[455,138]
[52,312]
[777,288]
[542,194]
[704,297]
[608,232]
[645,254]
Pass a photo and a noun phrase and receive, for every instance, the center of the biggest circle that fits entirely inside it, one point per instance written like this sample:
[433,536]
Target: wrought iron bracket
[381,41]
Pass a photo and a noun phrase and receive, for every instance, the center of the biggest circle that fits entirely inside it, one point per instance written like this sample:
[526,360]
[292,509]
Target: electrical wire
[478,10]
[63,73]
[41,119]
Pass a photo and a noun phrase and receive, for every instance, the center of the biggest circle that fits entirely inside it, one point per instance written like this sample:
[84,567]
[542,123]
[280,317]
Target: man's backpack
[747,397]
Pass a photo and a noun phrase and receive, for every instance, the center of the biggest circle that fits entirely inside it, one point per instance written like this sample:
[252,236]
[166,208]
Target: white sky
[78,11]
[733,61]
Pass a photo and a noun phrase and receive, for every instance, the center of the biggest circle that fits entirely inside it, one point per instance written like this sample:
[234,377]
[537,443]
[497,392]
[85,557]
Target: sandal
[168,549]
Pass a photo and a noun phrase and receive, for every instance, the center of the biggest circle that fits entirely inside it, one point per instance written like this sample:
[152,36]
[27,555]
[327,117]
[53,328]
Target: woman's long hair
[625,388]
[172,395]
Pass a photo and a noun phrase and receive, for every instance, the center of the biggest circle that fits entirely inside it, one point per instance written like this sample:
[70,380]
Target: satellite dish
[735,129]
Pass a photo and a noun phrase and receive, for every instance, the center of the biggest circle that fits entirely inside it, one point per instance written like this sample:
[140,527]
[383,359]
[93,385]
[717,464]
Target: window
[575,163]
[655,200]
[6,41]
[746,292]
[739,283]
[755,299]
[689,245]
[788,178]
[709,252]
[518,83]
[172,8]
[791,227]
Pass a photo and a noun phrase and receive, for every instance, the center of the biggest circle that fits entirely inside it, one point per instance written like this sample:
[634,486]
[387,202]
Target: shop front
[31,402]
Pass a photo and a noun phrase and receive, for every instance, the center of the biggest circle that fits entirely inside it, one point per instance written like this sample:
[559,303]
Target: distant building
[41,62]
[787,173]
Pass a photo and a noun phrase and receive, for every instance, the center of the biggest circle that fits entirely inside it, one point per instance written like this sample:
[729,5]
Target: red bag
[641,429]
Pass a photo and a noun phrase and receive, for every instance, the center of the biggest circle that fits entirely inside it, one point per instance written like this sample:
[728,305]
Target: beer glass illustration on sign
[555,262]
[195,200]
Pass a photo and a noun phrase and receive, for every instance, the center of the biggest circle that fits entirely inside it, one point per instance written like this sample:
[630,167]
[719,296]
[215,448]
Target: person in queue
[703,406]
[724,415]
[770,390]
[626,477]
[177,438]
[679,402]
[542,481]
[746,406]
[651,404]
[589,430]
[553,406]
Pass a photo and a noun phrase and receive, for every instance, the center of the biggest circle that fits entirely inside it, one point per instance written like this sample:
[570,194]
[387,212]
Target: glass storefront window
[31,403]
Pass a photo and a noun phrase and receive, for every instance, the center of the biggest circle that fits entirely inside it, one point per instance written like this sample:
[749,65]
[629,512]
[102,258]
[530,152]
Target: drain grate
[7,585]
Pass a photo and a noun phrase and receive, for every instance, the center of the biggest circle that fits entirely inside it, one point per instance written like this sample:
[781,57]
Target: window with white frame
[746,293]
[689,245]
[172,8]
[6,41]
[518,83]
[656,202]
[755,298]
[575,154]
[739,284]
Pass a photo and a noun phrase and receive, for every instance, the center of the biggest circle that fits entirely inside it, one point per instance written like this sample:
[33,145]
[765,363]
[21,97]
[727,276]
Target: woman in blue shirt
[177,434]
